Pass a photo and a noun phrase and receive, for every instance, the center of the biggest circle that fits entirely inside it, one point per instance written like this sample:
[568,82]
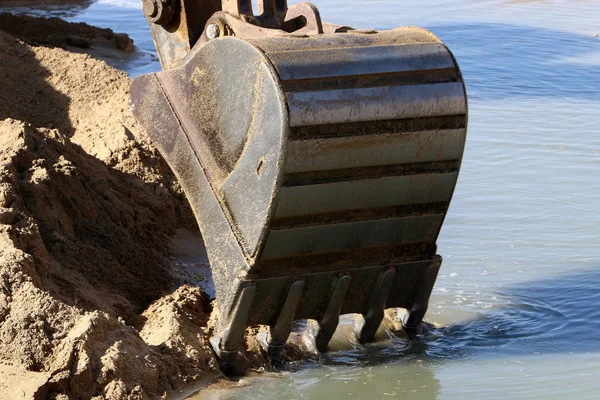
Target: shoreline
[116,49]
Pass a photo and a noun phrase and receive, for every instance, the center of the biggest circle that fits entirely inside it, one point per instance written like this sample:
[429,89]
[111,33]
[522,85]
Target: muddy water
[518,297]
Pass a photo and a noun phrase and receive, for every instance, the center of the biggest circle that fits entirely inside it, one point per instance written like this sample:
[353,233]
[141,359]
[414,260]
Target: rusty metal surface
[320,167]
[175,39]
[177,25]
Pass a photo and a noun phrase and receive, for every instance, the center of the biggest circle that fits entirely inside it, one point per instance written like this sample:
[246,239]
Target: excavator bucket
[319,160]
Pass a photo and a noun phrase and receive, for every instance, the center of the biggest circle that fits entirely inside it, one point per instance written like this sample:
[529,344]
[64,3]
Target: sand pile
[87,208]
[55,32]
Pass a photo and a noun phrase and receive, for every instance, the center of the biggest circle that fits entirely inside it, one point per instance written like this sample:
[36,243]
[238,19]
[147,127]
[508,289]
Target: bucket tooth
[233,334]
[319,165]
[331,318]
[283,327]
[375,309]
[415,313]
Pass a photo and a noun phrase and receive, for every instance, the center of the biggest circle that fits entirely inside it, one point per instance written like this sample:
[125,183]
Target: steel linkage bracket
[177,25]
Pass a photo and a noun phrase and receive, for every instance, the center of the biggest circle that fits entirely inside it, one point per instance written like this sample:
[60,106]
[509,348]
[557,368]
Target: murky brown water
[519,290]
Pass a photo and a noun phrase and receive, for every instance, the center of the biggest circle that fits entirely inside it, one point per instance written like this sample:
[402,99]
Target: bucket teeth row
[324,329]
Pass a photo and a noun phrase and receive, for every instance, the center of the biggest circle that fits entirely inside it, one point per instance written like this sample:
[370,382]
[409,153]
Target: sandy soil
[87,209]
[117,49]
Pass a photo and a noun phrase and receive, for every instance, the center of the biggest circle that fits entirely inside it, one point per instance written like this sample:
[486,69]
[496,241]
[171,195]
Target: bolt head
[159,12]
[150,8]
[213,31]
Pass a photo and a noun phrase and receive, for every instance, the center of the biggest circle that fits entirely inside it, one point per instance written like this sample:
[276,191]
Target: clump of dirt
[87,209]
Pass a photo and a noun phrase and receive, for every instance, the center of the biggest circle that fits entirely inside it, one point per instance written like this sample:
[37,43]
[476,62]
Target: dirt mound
[91,220]
[55,32]
[87,208]
[95,190]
